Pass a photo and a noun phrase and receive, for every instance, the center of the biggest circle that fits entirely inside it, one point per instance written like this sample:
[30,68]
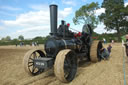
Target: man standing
[126,44]
[104,40]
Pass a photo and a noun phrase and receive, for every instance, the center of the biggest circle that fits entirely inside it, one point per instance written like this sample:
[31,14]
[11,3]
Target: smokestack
[53,19]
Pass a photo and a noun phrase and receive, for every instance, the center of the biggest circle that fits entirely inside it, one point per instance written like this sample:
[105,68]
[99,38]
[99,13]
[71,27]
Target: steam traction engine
[62,50]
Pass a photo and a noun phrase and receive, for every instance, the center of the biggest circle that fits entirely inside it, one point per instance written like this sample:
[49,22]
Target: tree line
[16,41]
[41,40]
[8,38]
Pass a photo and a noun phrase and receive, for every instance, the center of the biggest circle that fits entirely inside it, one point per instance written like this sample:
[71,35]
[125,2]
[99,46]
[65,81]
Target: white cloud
[34,21]
[100,11]
[64,13]
[69,2]
[37,28]
[97,11]
[126,4]
[2,27]
[30,19]
[9,8]
[100,29]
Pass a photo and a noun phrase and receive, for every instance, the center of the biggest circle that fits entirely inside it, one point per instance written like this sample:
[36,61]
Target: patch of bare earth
[106,72]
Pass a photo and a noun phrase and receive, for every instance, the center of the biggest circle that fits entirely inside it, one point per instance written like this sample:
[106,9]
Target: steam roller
[62,50]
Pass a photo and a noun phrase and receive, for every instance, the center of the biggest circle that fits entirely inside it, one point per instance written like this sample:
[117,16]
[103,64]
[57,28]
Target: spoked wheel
[65,66]
[28,61]
[95,55]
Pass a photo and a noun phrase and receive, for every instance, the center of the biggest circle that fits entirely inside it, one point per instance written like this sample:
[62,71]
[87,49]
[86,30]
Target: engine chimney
[53,19]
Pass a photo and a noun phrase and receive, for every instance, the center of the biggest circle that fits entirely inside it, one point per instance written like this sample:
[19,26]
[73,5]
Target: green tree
[21,37]
[15,39]
[86,15]
[8,38]
[125,21]
[114,16]
[38,38]
[3,39]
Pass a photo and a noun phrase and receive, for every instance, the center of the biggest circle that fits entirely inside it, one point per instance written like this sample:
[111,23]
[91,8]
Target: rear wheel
[65,66]
[95,54]
[28,61]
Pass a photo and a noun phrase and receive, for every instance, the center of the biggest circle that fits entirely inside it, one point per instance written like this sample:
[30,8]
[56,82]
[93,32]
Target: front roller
[95,54]
[65,66]
[28,61]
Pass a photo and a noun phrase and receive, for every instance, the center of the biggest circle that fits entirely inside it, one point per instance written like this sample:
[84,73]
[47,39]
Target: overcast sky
[30,18]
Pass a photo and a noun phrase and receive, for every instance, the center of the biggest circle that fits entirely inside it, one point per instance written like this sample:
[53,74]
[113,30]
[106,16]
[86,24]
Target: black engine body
[63,38]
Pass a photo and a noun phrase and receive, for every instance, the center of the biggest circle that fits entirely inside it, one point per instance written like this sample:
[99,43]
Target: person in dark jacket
[104,53]
[126,46]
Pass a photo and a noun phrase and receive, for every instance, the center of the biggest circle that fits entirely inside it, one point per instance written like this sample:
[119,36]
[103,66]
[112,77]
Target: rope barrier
[124,61]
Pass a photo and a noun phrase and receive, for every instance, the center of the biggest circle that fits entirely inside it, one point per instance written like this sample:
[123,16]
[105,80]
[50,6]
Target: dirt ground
[106,72]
